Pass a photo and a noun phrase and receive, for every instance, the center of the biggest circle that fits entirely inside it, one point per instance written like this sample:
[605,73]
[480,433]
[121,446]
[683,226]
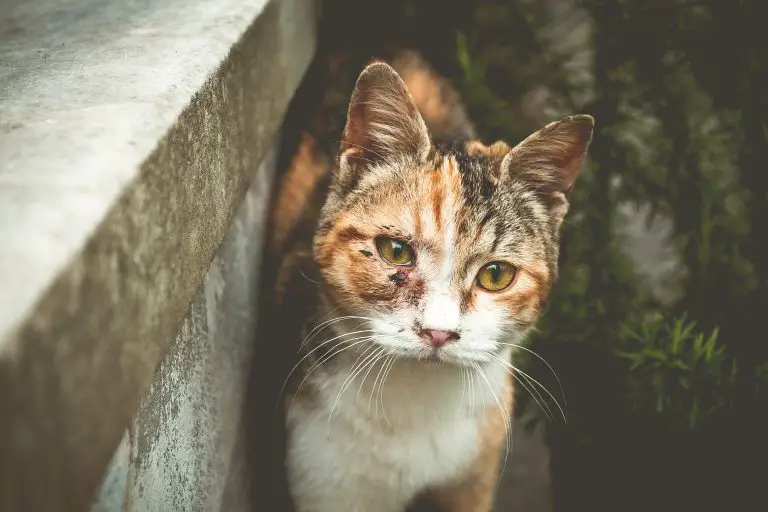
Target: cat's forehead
[456,203]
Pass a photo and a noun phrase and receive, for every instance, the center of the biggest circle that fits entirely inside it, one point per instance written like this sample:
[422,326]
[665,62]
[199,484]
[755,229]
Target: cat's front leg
[318,496]
[475,489]
[326,473]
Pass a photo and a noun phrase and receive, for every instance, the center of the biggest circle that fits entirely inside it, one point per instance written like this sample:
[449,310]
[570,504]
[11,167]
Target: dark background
[656,328]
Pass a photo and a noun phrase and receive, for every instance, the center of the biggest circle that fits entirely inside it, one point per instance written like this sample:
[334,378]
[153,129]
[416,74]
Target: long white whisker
[543,388]
[389,363]
[539,398]
[322,325]
[532,391]
[373,392]
[505,416]
[287,378]
[539,384]
[472,392]
[529,387]
[554,373]
[332,353]
[350,379]
[365,377]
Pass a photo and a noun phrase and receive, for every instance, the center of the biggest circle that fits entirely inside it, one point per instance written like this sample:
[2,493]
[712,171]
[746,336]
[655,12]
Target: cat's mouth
[434,357]
[433,347]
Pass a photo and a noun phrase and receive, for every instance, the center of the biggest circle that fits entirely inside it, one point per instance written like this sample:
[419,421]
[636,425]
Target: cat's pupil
[495,272]
[397,250]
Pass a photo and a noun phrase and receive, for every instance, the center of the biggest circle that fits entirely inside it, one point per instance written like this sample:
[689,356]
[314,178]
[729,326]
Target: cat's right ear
[383,121]
[551,160]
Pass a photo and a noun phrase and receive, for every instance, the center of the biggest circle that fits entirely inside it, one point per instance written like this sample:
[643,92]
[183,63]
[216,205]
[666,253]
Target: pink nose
[438,338]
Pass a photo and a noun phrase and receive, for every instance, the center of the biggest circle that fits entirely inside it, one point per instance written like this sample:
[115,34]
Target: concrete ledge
[129,133]
[184,449]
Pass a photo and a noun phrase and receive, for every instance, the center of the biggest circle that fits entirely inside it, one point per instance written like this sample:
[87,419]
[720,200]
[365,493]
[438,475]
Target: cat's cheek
[523,300]
[413,290]
[366,280]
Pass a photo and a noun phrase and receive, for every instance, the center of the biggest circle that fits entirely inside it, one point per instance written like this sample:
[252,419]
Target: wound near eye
[398,277]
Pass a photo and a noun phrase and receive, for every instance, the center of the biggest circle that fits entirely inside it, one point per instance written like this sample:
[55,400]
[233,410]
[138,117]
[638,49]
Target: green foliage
[677,370]
[666,139]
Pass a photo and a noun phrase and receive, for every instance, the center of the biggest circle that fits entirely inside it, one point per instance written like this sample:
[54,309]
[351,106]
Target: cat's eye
[496,276]
[394,251]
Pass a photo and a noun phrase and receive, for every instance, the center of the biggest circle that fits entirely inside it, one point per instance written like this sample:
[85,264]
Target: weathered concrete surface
[129,132]
[182,445]
[114,488]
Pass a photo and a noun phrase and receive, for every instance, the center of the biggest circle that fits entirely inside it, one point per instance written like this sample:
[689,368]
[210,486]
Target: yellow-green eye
[394,251]
[496,276]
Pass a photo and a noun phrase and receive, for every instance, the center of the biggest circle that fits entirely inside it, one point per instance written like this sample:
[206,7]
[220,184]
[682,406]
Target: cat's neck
[398,393]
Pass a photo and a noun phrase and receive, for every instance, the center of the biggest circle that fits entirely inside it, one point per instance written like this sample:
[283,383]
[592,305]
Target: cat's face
[450,250]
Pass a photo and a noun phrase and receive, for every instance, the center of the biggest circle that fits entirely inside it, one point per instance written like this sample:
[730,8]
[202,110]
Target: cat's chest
[387,445]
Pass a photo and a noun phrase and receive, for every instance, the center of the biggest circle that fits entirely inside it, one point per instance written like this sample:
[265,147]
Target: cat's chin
[433,357]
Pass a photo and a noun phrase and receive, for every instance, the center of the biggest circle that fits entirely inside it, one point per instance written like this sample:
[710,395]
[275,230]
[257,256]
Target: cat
[413,259]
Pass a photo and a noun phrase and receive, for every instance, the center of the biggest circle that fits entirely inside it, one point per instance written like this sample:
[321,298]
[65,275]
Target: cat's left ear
[383,121]
[552,158]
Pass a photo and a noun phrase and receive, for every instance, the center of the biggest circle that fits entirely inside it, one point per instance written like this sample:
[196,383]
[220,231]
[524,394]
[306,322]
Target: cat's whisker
[316,330]
[533,381]
[472,391]
[530,388]
[332,353]
[363,354]
[554,374]
[532,391]
[307,277]
[362,382]
[308,339]
[317,364]
[354,372]
[543,388]
[374,389]
[390,364]
[380,393]
[504,414]
[302,359]
[535,394]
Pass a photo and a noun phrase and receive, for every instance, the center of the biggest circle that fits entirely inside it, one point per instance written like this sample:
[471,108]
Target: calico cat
[413,260]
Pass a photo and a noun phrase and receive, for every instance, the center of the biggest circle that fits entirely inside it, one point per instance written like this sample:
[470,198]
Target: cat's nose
[437,338]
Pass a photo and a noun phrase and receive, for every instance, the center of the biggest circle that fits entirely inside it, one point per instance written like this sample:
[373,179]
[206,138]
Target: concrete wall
[133,138]
[184,449]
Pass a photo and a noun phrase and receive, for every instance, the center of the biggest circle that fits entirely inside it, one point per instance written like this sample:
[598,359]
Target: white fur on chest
[383,445]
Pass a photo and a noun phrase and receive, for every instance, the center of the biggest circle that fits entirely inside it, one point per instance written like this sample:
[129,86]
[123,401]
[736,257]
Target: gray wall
[184,450]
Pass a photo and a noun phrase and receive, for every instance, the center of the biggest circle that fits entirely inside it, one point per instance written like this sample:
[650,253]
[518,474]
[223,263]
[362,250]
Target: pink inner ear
[382,119]
[554,155]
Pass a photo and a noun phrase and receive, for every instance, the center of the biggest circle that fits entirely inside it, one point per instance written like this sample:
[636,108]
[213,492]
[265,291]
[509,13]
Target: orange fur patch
[307,168]
[437,198]
[438,102]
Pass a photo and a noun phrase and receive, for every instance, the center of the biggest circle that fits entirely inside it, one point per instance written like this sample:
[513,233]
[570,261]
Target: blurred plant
[677,370]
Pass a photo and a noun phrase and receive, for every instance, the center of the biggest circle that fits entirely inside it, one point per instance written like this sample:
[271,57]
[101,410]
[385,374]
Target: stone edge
[90,350]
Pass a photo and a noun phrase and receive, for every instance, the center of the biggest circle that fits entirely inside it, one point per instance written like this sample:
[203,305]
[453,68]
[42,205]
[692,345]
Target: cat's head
[449,249]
